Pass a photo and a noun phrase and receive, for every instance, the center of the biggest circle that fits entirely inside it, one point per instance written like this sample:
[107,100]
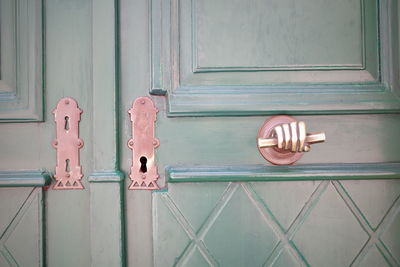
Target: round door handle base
[282,140]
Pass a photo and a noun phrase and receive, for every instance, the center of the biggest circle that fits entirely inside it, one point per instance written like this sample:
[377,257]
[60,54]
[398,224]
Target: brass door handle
[292,136]
[282,140]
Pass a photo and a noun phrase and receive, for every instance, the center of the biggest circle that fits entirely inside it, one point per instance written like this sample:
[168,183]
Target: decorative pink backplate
[68,170]
[144,170]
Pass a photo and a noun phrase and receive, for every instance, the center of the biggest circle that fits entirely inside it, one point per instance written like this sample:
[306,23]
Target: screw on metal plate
[68,170]
[144,172]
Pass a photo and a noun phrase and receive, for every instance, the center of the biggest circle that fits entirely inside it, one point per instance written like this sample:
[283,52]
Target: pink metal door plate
[68,170]
[144,172]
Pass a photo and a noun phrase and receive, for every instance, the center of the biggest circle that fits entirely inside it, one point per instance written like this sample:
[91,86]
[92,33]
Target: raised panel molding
[367,85]
[24,178]
[260,173]
[248,28]
[21,65]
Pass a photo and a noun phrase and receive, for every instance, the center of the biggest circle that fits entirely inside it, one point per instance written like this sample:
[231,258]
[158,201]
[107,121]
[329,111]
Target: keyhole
[143,162]
[67,169]
[66,126]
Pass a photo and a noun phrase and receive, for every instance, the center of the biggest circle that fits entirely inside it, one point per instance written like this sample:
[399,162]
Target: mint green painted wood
[21,227]
[190,102]
[207,126]
[21,79]
[8,47]
[81,64]
[107,222]
[284,223]
[250,31]
[24,179]
[69,61]
[27,146]
[68,73]
[107,219]
[284,173]
[221,141]
[278,66]
[106,177]
[298,223]
[298,209]
[106,181]
[105,85]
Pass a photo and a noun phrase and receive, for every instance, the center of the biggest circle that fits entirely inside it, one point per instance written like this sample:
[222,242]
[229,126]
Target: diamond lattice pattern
[301,223]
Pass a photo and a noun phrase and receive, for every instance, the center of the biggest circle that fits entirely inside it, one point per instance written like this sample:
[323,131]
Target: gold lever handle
[291,137]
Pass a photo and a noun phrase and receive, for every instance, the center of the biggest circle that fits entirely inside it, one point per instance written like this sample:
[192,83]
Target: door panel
[247,28]
[224,68]
[21,229]
[21,77]
[308,57]
[66,54]
[326,223]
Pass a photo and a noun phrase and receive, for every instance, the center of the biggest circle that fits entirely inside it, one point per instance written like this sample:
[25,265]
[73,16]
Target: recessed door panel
[334,56]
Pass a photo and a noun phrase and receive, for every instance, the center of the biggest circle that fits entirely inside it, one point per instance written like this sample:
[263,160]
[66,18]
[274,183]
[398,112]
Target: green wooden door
[216,70]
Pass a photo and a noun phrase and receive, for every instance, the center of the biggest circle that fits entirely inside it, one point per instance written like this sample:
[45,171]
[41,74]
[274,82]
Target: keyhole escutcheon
[66,125]
[143,164]
[67,168]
